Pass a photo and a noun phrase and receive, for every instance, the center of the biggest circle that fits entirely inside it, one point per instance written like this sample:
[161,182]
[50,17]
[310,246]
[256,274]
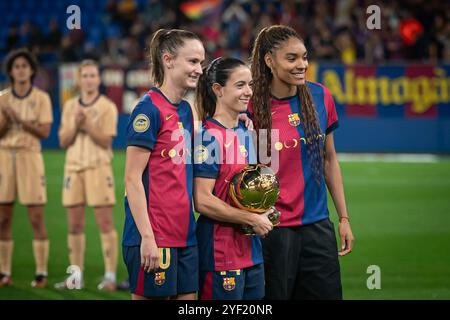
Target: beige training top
[36,107]
[84,153]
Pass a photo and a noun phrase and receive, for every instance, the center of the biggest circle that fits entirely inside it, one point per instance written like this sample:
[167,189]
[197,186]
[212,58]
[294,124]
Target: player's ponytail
[267,42]
[166,40]
[262,78]
[218,71]
[157,70]
[313,132]
[205,99]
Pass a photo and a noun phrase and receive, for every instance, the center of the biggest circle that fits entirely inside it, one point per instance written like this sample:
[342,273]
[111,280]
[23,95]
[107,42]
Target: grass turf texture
[399,216]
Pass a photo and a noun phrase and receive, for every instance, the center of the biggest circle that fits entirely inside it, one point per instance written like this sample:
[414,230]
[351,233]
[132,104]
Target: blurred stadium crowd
[117,31]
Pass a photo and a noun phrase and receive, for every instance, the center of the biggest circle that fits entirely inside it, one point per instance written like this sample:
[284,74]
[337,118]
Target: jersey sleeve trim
[332,127]
[206,174]
[141,143]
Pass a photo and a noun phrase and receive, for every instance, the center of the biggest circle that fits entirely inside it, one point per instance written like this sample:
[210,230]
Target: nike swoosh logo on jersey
[228,144]
[169,116]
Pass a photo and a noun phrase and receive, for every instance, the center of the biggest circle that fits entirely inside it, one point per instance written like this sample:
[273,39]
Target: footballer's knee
[104,219]
[76,219]
[36,216]
[76,228]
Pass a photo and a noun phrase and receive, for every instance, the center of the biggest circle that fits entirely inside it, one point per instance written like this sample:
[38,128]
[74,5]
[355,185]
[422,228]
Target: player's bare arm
[103,140]
[248,122]
[211,206]
[4,122]
[4,127]
[10,114]
[80,116]
[42,131]
[68,133]
[333,178]
[67,137]
[136,161]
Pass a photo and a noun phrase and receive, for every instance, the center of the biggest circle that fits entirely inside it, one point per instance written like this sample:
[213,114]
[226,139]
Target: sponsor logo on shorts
[141,123]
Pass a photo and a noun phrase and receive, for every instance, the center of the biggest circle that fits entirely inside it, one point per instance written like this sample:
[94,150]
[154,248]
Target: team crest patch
[180,126]
[243,151]
[229,283]
[160,278]
[294,119]
[141,123]
[201,154]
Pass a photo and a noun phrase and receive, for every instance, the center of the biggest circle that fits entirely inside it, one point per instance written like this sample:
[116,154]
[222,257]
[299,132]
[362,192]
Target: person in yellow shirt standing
[88,126]
[25,118]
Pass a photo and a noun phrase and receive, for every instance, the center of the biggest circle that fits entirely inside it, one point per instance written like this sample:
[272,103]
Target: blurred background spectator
[118,31]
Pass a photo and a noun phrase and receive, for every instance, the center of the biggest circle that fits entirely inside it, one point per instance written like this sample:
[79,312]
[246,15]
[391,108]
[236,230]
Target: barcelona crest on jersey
[294,119]
[229,283]
[160,278]
[243,150]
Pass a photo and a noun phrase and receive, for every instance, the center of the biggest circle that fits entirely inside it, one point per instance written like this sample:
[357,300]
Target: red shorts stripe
[207,287]
[140,283]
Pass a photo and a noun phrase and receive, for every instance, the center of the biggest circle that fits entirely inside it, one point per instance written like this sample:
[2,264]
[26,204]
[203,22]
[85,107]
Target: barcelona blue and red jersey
[302,201]
[166,130]
[222,154]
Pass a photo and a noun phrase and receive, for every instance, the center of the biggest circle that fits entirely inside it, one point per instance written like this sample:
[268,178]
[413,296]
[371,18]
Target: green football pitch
[400,217]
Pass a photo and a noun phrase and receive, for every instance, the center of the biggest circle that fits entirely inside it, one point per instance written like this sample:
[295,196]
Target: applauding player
[88,126]
[25,119]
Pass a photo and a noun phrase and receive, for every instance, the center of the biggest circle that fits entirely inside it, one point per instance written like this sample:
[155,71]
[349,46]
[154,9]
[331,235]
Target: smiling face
[236,93]
[289,62]
[185,69]
[21,70]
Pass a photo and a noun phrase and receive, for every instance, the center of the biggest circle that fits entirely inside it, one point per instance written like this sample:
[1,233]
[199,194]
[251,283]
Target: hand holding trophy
[256,189]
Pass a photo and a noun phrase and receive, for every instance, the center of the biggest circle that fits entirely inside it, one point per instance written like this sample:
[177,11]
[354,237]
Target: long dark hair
[218,71]
[268,41]
[166,40]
